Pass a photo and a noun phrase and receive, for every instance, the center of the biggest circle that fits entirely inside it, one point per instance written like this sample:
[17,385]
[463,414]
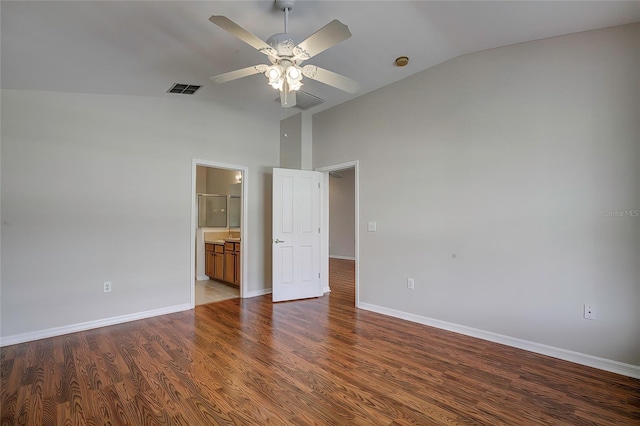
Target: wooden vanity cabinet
[222,262]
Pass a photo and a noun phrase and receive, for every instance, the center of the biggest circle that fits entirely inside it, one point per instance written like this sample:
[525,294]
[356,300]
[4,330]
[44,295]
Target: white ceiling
[143,47]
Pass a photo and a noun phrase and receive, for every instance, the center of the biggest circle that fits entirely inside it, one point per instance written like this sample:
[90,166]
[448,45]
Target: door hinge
[318,185]
[318,274]
[318,230]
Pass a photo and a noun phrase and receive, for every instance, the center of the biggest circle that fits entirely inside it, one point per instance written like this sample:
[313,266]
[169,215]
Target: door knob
[278,241]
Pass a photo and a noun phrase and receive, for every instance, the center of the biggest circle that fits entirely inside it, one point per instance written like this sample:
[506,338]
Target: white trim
[564,354]
[331,256]
[83,326]
[244,227]
[326,290]
[202,277]
[256,293]
[355,164]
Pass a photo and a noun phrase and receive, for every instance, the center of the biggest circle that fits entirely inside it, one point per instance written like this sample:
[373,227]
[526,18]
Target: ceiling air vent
[183,89]
[305,100]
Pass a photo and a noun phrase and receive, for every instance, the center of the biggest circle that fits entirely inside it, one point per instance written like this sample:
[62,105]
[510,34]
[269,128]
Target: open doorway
[340,220]
[218,228]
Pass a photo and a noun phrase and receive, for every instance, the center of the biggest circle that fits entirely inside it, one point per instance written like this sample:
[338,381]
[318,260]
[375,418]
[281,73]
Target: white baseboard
[342,257]
[202,277]
[564,354]
[256,293]
[326,290]
[73,328]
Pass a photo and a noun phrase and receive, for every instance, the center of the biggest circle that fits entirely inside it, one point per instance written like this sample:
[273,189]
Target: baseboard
[256,293]
[342,257]
[326,290]
[73,328]
[564,354]
[202,277]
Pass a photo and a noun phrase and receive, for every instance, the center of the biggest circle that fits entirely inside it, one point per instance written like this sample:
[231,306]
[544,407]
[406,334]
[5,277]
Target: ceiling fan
[285,72]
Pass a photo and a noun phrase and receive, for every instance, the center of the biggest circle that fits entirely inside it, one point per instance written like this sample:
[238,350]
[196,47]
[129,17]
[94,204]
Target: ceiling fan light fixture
[294,77]
[293,72]
[274,74]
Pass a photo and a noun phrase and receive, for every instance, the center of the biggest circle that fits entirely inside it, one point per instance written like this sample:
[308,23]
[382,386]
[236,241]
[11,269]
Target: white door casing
[296,234]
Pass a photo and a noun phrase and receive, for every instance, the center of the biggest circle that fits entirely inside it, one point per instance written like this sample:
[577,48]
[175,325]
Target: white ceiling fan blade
[331,78]
[244,35]
[244,72]
[329,35]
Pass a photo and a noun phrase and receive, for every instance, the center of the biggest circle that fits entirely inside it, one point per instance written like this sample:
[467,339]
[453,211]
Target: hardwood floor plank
[311,362]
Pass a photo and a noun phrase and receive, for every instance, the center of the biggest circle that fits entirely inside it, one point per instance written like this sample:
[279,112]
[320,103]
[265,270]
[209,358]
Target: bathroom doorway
[218,230]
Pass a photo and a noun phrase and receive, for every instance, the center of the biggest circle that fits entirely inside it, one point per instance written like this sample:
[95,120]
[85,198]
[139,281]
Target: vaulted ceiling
[142,47]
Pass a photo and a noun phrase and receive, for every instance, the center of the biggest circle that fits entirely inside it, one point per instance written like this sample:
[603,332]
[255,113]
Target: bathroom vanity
[222,260]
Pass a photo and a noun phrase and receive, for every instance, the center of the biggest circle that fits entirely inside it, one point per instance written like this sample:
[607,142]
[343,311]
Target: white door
[296,234]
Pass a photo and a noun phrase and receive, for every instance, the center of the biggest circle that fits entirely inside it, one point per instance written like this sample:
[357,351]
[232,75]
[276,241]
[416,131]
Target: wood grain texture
[310,362]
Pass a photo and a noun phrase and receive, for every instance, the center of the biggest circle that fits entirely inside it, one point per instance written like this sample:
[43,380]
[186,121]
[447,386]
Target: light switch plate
[372,226]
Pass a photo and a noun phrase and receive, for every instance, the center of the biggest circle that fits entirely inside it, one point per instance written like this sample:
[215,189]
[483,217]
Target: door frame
[244,214]
[324,239]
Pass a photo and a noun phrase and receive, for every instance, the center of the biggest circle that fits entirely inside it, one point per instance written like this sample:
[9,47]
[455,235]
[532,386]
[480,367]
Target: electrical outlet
[589,312]
[411,284]
[107,286]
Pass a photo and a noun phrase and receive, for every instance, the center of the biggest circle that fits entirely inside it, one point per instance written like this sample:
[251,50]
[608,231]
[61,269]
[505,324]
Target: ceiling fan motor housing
[283,43]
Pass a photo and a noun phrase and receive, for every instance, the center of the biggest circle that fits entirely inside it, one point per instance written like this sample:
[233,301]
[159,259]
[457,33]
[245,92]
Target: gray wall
[291,142]
[219,181]
[213,180]
[98,188]
[492,177]
[342,232]
[296,148]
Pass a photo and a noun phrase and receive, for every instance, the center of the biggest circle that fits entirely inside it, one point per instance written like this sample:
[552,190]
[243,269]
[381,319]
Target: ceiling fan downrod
[286,19]
[285,6]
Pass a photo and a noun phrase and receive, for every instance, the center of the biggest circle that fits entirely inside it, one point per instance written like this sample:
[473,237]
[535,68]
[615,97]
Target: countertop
[221,242]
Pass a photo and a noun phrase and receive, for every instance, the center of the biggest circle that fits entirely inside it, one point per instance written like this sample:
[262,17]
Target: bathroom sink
[232,239]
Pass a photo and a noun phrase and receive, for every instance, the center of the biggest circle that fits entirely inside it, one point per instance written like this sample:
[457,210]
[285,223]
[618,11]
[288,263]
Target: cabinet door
[218,266]
[208,264]
[229,265]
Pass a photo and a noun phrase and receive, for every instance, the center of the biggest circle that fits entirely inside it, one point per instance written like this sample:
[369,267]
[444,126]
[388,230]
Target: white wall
[342,233]
[98,188]
[509,160]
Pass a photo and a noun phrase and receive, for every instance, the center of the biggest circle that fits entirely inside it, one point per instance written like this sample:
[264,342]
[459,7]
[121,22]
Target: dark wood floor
[318,361]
